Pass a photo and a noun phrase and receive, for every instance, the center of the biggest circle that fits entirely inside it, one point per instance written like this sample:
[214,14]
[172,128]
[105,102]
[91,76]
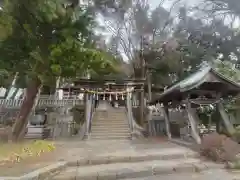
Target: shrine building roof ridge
[194,81]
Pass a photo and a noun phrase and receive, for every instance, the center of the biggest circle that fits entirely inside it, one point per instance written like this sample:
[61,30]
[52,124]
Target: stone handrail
[137,131]
[90,112]
[42,102]
[82,131]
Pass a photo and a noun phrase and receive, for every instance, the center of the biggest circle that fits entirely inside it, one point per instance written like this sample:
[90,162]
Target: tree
[46,38]
[198,42]
[222,8]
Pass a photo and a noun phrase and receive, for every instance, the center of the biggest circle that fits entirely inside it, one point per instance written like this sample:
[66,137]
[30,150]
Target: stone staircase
[110,124]
[144,161]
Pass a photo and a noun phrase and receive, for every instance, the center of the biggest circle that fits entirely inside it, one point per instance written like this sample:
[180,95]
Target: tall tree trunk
[26,108]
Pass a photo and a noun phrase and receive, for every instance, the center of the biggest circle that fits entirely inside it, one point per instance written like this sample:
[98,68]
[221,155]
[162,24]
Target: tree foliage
[173,49]
[46,39]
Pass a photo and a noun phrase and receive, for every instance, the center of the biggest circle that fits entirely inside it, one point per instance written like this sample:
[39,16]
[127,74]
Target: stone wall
[5,133]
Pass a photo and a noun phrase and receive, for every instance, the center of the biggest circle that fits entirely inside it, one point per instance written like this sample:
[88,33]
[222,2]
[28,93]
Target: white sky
[168,3]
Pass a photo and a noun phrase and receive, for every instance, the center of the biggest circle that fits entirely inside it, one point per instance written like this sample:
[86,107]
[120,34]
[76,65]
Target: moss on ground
[16,152]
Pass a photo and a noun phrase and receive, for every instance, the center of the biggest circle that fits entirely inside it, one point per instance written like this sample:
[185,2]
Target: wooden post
[192,121]
[225,119]
[167,120]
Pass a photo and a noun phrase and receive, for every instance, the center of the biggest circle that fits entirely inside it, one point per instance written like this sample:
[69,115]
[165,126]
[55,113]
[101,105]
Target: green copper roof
[195,80]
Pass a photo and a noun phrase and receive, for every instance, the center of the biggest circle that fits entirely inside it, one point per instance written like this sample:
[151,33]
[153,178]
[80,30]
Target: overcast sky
[153,4]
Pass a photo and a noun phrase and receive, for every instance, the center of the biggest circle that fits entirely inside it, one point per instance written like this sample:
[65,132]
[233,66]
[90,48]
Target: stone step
[121,125]
[107,129]
[107,125]
[110,114]
[97,129]
[110,128]
[110,132]
[210,174]
[104,128]
[110,137]
[135,169]
[110,124]
[112,110]
[107,134]
[110,119]
[116,157]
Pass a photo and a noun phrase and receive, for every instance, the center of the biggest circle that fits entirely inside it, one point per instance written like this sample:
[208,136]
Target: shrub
[236,134]
[219,148]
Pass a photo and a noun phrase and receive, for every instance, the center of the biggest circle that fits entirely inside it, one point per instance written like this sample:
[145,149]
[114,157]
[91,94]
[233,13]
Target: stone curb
[41,174]
[139,172]
[51,170]
[120,159]
[184,143]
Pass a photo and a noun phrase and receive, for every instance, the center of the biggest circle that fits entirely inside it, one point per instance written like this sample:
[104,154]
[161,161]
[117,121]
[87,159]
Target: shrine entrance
[117,98]
[203,88]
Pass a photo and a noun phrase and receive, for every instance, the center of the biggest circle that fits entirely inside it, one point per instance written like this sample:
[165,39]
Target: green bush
[236,134]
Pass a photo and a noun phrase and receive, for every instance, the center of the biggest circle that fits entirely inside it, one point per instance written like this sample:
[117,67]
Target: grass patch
[16,152]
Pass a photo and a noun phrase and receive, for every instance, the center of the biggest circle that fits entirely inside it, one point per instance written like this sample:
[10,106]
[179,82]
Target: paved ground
[73,149]
[206,175]
[77,149]
[137,148]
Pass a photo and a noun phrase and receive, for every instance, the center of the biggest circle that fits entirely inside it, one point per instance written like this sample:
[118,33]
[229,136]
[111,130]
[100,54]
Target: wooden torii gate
[204,87]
